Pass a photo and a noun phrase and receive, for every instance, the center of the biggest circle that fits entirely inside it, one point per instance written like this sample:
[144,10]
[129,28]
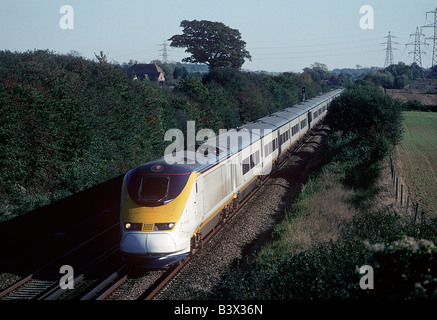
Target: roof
[141,69]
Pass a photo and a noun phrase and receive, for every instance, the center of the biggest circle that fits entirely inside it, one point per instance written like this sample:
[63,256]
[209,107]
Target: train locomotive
[166,208]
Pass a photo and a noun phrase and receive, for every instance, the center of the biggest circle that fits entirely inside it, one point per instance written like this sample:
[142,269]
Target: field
[413,94]
[418,152]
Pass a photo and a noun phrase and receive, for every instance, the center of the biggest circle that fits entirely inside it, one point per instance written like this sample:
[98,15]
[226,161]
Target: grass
[316,251]
[418,151]
[326,235]
[345,217]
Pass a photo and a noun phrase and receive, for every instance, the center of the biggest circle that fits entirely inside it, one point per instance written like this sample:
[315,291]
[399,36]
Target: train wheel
[196,242]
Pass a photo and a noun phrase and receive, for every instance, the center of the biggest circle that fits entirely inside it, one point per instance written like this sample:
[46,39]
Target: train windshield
[153,189]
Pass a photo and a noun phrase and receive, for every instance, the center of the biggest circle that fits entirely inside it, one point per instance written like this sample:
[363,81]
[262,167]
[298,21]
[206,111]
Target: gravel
[246,231]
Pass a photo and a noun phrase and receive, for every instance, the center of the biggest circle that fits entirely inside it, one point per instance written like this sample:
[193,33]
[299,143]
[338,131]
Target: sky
[281,35]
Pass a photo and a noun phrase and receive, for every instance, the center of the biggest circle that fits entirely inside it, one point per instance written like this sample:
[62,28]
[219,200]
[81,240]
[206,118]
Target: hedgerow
[69,123]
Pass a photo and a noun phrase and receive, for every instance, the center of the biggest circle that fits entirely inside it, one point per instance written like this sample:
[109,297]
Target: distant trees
[399,76]
[211,43]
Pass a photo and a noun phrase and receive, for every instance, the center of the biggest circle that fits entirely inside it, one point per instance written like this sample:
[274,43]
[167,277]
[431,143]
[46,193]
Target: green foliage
[405,269]
[212,43]
[404,266]
[399,76]
[67,123]
[368,125]
[372,113]
[415,105]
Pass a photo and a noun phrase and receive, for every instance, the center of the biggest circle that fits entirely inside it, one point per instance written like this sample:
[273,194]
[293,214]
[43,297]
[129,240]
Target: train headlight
[130,226]
[164,226]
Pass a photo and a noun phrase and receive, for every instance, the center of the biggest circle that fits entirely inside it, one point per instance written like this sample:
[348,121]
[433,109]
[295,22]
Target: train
[168,207]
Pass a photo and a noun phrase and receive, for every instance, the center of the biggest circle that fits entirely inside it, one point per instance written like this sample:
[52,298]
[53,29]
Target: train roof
[204,156]
[289,115]
[275,120]
[259,129]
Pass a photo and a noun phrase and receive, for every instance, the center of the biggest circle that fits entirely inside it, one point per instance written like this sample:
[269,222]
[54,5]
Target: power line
[321,55]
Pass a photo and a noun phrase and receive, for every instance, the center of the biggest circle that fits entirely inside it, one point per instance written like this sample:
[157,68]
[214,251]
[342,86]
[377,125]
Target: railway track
[44,283]
[166,276]
[103,275]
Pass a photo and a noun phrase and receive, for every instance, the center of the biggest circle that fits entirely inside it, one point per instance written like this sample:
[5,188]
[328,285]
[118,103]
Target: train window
[246,166]
[286,136]
[268,148]
[206,149]
[153,188]
[252,161]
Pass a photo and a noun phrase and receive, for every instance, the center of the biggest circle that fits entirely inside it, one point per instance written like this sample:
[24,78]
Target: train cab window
[153,188]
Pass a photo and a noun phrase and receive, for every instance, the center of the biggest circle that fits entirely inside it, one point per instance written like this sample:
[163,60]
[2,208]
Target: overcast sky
[281,35]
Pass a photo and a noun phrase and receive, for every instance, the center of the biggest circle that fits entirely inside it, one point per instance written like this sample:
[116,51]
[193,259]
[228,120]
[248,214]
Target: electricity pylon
[417,52]
[389,52]
[164,54]
[434,37]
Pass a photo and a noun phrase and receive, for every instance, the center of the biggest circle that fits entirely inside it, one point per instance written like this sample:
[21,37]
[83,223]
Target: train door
[310,118]
[233,165]
[198,205]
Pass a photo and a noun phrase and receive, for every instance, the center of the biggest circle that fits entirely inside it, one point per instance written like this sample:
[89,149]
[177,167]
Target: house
[151,72]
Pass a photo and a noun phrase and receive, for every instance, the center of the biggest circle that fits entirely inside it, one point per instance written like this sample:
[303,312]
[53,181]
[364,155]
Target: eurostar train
[169,204]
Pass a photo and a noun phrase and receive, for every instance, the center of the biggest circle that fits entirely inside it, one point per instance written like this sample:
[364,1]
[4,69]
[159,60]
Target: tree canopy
[211,43]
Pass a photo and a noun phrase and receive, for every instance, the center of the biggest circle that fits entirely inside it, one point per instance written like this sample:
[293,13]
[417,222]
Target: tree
[211,43]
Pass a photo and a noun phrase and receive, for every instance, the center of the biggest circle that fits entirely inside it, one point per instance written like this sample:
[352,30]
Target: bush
[329,270]
[364,109]
[67,123]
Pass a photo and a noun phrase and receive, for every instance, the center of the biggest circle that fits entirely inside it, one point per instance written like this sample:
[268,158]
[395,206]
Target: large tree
[211,43]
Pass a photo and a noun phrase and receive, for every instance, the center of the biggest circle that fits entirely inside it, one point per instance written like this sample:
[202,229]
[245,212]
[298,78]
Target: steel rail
[172,271]
[26,279]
